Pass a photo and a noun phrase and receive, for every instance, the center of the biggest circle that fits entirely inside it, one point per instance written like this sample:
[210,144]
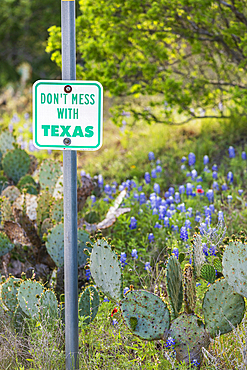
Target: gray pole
[70,199]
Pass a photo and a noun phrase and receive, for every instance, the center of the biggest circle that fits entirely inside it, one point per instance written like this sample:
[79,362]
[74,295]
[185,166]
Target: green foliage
[88,304]
[16,164]
[5,244]
[174,283]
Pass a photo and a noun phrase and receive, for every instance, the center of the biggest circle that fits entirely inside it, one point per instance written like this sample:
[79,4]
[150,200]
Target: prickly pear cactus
[57,210]
[28,296]
[208,273]
[88,304]
[33,164]
[3,182]
[106,270]
[55,245]
[44,202]
[16,164]
[5,244]
[145,314]
[58,190]
[235,266]
[218,264]
[29,202]
[49,172]
[6,213]
[222,304]
[28,183]
[48,304]
[47,224]
[190,336]
[19,320]
[9,293]
[174,283]
[6,141]
[11,192]
[189,289]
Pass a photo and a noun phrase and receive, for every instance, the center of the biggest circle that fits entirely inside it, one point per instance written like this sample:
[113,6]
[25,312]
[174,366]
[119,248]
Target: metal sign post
[70,199]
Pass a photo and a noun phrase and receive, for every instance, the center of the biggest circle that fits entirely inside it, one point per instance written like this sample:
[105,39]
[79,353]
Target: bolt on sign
[67,115]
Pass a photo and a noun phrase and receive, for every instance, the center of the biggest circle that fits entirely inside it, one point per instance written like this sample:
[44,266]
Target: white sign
[67,115]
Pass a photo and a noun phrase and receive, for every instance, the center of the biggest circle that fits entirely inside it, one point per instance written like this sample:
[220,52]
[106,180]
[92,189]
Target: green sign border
[99,114]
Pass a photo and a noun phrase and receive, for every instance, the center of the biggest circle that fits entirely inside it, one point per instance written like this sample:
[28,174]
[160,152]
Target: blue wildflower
[181,189]
[240,191]
[88,274]
[189,188]
[183,167]
[170,342]
[193,174]
[177,197]
[114,322]
[215,175]
[184,233]
[210,195]
[187,224]
[151,237]
[183,159]
[126,289]
[158,169]
[147,266]
[166,222]
[205,249]
[211,207]
[231,152]
[157,226]
[156,188]
[153,173]
[175,251]
[244,156]
[212,250]
[191,159]
[229,198]
[123,259]
[151,156]
[93,198]
[106,299]
[142,198]
[215,167]
[220,216]
[175,228]
[224,187]
[134,254]
[205,160]
[230,177]
[100,181]
[147,178]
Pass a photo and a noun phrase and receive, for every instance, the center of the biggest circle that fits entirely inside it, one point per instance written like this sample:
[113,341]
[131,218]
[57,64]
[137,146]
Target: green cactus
[3,182]
[9,293]
[55,245]
[106,270]
[88,304]
[208,273]
[12,193]
[145,314]
[221,305]
[189,289]
[48,305]
[6,213]
[28,296]
[19,320]
[48,174]
[5,244]
[27,203]
[6,141]
[44,202]
[16,164]
[190,336]
[218,264]
[56,212]
[235,266]
[174,283]
[28,183]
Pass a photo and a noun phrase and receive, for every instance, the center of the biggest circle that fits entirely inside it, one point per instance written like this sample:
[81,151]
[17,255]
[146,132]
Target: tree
[188,56]
[23,35]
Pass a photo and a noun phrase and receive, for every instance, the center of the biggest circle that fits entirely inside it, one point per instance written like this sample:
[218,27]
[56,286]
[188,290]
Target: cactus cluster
[16,164]
[148,316]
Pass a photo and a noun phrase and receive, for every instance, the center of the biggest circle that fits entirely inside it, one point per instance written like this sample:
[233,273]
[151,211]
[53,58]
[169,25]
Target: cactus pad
[48,174]
[28,183]
[208,273]
[88,304]
[6,141]
[29,202]
[16,164]
[221,305]
[48,304]
[57,210]
[218,264]
[145,314]
[43,207]
[11,192]
[29,294]
[5,210]
[5,244]
[235,266]
[189,289]
[190,336]
[9,293]
[106,270]
[174,283]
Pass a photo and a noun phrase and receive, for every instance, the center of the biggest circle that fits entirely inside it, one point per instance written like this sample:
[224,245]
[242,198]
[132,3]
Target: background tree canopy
[190,53]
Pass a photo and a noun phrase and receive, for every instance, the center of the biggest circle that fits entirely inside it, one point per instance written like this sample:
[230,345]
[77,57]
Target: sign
[67,115]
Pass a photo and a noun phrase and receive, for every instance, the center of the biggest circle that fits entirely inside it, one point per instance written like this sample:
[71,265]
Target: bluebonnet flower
[162,211]
[107,189]
[193,174]
[177,197]
[205,249]
[123,259]
[231,152]
[153,173]
[166,222]
[181,207]
[156,188]
[121,188]
[167,194]
[142,198]
[83,173]
[170,342]
[171,190]
[155,212]
[157,226]
[93,198]
[88,274]
[244,156]
[136,196]
[151,237]
[172,208]
[147,178]
[198,284]
[215,175]
[187,224]
[183,159]
[205,160]
[128,184]
[211,207]
[175,228]
[126,289]
[170,200]
[134,254]
[195,363]
[224,187]
[212,250]
[230,177]
[11,126]
[189,188]
[240,191]
[220,216]
[139,188]
[100,181]
[215,185]
[191,159]
[210,195]
[181,189]
[184,233]
[169,213]
[203,228]
[229,198]
[215,167]
[49,151]
[206,169]
[183,167]
[151,156]
[113,189]
[158,161]
[208,215]
[199,179]
[190,211]
[114,322]
[163,202]
[106,199]
[147,266]
[106,299]
[175,251]
[188,174]
[197,218]
[158,169]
